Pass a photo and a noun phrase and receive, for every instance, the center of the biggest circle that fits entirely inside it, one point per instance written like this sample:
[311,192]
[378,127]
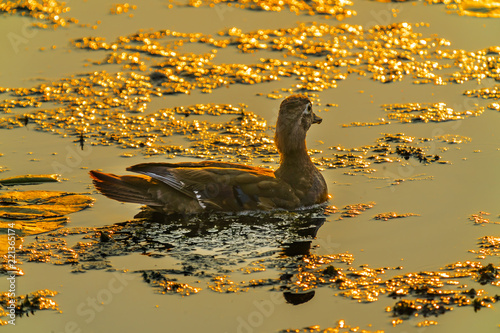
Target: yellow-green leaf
[34,212]
[29,179]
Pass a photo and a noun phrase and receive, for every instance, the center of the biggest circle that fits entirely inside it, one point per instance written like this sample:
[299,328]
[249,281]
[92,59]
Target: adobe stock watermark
[23,36]
[328,244]
[89,309]
[222,9]
[385,16]
[27,32]
[11,278]
[264,309]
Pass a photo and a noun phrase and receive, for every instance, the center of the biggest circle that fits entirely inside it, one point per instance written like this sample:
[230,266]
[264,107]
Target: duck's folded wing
[228,187]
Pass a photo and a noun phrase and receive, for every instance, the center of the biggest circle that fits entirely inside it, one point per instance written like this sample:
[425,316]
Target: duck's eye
[308,109]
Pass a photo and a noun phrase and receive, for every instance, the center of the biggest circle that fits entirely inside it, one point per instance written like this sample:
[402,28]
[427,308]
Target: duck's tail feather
[124,188]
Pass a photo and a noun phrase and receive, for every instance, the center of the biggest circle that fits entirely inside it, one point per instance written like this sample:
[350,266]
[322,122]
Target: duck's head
[294,119]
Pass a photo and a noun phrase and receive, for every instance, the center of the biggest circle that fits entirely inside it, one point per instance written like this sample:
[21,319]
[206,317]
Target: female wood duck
[195,187]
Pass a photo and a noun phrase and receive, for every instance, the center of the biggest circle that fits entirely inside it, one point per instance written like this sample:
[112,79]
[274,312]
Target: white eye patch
[308,109]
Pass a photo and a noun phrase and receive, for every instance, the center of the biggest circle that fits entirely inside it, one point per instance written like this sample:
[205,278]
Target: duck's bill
[316,119]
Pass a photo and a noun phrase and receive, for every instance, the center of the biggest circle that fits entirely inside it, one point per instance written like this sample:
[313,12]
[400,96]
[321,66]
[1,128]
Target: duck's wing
[223,186]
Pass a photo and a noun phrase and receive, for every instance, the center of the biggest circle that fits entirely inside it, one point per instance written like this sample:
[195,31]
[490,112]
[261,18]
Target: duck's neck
[294,162]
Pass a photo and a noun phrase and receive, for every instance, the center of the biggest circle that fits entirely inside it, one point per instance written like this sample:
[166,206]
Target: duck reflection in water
[211,244]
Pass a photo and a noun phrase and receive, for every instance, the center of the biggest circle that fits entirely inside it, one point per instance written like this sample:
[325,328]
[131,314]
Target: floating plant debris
[425,308]
[30,179]
[494,106]
[34,212]
[434,112]
[100,105]
[355,210]
[479,8]
[493,92]
[214,252]
[341,327]
[48,11]
[360,124]
[488,274]
[333,8]
[28,304]
[488,246]
[348,49]
[166,286]
[399,181]
[426,323]
[480,218]
[392,215]
[475,8]
[398,137]
[210,249]
[453,138]
[360,159]
[122,8]
[408,151]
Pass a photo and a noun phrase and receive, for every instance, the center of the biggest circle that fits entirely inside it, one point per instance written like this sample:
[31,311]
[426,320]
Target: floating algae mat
[222,252]
[34,212]
[106,108]
[118,103]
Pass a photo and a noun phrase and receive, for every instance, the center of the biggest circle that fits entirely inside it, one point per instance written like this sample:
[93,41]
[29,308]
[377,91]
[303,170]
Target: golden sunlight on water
[480,8]
[408,147]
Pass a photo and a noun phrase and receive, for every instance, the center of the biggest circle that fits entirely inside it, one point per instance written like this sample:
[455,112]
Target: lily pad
[30,179]
[34,212]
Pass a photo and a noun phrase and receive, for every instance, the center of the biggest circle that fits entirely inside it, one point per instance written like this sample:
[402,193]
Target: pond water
[409,95]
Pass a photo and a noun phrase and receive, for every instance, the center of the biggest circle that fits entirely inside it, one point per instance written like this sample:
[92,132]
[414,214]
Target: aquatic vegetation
[360,124]
[34,212]
[361,159]
[408,151]
[453,138]
[122,8]
[486,93]
[48,11]
[99,107]
[392,215]
[276,253]
[399,181]
[212,250]
[341,327]
[484,8]
[488,274]
[333,8]
[28,304]
[160,282]
[30,179]
[475,8]
[355,210]
[427,112]
[481,219]
[488,246]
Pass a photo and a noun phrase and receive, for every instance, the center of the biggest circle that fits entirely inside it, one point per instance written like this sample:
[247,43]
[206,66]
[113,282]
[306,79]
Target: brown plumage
[195,187]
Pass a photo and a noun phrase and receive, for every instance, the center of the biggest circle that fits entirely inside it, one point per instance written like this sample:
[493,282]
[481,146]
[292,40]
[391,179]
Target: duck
[214,186]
